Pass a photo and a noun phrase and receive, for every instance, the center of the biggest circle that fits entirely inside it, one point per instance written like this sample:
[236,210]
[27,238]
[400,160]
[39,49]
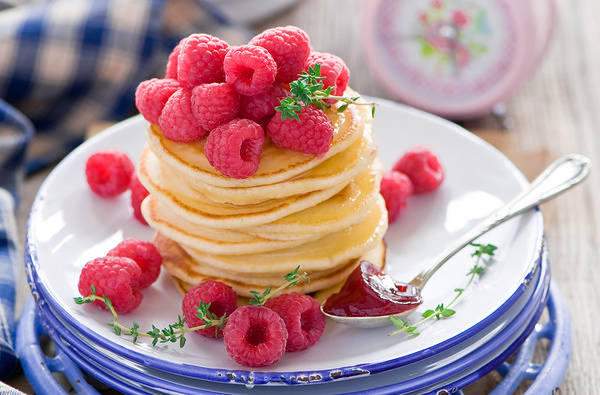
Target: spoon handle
[560,176]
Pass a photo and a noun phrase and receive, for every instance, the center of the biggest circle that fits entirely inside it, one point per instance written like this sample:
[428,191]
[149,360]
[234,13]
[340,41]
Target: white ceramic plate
[426,372]
[69,225]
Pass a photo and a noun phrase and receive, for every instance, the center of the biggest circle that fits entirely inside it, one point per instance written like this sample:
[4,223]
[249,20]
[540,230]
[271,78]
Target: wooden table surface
[556,112]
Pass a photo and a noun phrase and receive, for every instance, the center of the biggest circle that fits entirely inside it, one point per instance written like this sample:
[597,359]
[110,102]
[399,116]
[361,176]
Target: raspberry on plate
[113,277]
[312,135]
[171,69]
[303,319]
[259,106]
[108,172]
[200,60]
[250,69]
[334,70]
[423,168]
[145,254]
[214,104]
[138,194]
[152,95]
[289,46]
[177,121]
[222,299]
[234,148]
[255,336]
[395,189]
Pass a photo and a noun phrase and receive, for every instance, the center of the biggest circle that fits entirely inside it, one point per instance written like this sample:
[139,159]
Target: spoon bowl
[376,321]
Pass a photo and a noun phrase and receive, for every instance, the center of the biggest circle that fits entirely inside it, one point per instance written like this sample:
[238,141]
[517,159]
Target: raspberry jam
[368,292]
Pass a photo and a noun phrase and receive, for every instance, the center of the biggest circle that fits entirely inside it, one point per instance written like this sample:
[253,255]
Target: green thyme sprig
[211,319]
[291,279]
[444,311]
[175,332]
[309,89]
[172,333]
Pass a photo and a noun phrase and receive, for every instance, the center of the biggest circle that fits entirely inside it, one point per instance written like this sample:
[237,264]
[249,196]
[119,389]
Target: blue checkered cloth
[69,63]
[9,258]
[15,133]
[66,64]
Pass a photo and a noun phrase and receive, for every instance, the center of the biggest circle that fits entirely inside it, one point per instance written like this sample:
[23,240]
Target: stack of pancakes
[321,214]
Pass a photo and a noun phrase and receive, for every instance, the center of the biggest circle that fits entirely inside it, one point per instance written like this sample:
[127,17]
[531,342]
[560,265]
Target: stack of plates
[69,226]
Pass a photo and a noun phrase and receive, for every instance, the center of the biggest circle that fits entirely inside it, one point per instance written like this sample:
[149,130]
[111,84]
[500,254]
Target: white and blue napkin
[67,64]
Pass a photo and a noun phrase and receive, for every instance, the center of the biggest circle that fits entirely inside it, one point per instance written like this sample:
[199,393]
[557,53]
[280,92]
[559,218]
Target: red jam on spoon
[368,292]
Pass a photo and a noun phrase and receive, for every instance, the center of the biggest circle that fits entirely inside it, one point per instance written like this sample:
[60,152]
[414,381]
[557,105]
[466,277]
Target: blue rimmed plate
[440,369]
[69,225]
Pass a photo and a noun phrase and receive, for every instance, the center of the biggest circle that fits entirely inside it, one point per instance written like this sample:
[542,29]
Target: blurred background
[523,75]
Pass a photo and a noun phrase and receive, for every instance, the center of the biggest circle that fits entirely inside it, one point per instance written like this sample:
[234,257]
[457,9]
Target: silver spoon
[560,176]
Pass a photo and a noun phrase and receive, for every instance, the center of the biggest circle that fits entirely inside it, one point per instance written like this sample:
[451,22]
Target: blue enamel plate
[69,225]
[453,365]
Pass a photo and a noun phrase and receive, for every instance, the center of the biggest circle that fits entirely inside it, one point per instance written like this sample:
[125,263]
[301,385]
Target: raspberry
[113,277]
[234,148]
[303,319]
[222,299]
[423,168]
[177,120]
[255,336]
[200,60]
[151,96]
[171,70]
[312,135]
[289,46]
[138,194]
[395,188]
[214,104]
[250,69]
[334,70]
[144,254]
[108,172]
[259,106]
[264,122]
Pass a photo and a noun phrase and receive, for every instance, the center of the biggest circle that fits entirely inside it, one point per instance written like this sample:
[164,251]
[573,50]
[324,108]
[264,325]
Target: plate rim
[244,376]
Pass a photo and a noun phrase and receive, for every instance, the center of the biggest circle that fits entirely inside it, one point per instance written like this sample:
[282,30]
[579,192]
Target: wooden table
[556,112]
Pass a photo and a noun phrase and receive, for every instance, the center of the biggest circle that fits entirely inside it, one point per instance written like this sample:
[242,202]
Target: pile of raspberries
[228,95]
[418,171]
[253,335]
[257,335]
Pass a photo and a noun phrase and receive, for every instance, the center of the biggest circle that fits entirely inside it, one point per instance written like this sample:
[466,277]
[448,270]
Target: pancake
[348,207]
[181,285]
[276,164]
[175,261]
[326,252]
[187,268]
[201,212]
[244,290]
[185,232]
[338,169]
[150,168]
[163,214]
[156,213]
